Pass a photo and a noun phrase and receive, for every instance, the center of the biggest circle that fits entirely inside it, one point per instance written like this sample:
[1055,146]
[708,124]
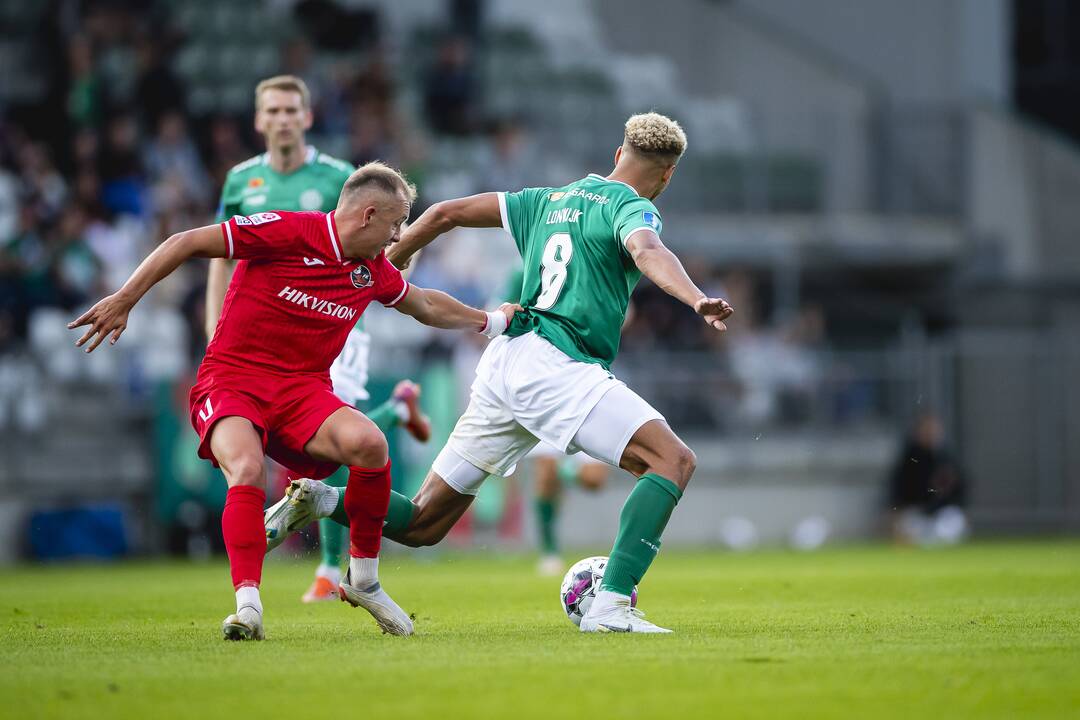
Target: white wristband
[496,324]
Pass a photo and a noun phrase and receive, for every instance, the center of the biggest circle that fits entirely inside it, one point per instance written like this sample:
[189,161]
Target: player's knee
[685,465]
[365,446]
[246,470]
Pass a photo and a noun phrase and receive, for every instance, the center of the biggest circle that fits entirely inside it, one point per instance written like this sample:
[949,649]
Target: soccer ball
[580,586]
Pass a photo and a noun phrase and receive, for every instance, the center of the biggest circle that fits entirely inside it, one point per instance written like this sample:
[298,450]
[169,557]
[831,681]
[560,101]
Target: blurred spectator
[24,278]
[157,89]
[336,26]
[450,90]
[85,148]
[927,489]
[374,86]
[510,164]
[9,205]
[74,267]
[172,155]
[123,178]
[227,147]
[44,186]
[85,101]
[368,140]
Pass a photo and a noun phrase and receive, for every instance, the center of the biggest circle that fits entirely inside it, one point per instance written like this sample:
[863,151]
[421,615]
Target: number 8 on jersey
[557,254]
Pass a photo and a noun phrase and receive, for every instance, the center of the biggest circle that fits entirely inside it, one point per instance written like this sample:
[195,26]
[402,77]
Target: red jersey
[294,297]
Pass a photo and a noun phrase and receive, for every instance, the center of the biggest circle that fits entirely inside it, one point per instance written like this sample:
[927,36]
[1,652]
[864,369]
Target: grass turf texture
[988,630]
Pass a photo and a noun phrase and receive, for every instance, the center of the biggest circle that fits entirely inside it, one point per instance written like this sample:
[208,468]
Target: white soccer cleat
[244,624]
[390,617]
[297,509]
[550,566]
[618,617]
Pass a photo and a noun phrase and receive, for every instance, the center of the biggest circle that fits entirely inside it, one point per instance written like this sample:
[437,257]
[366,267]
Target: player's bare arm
[108,317]
[437,309]
[478,211]
[218,278]
[660,265]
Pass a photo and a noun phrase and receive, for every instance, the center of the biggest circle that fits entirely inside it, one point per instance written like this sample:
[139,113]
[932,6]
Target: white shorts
[349,371]
[543,450]
[527,390]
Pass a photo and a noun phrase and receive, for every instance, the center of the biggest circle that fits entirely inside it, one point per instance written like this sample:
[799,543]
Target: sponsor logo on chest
[311,199]
[317,305]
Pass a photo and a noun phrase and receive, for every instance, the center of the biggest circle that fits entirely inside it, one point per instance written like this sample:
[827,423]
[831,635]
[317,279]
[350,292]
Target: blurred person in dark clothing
[511,161]
[85,96]
[926,494]
[368,139]
[172,158]
[123,177]
[157,88]
[44,186]
[75,269]
[227,147]
[450,91]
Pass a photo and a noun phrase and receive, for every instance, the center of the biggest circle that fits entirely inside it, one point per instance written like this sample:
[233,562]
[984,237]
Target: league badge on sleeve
[256,218]
[652,220]
[361,277]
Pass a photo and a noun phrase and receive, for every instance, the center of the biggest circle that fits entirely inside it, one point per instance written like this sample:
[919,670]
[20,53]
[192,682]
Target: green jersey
[578,275]
[254,186]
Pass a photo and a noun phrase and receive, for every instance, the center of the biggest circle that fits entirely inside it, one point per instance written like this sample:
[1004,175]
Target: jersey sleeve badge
[652,220]
[257,219]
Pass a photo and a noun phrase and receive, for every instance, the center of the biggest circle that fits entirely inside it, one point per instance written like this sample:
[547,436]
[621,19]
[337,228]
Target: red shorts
[287,412]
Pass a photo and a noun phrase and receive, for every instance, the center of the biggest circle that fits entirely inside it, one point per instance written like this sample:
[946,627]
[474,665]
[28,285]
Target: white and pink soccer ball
[580,585]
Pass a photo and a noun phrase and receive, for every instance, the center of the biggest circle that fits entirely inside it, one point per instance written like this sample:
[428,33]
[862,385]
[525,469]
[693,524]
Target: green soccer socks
[641,523]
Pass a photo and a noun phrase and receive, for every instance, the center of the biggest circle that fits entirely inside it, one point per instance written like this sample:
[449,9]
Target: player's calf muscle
[438,508]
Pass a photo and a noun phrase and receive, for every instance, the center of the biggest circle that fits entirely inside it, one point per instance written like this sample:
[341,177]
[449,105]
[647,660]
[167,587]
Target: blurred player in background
[264,386]
[292,175]
[551,470]
[584,246]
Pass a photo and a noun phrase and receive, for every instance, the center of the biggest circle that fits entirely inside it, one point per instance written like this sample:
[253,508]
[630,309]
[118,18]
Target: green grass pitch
[988,630]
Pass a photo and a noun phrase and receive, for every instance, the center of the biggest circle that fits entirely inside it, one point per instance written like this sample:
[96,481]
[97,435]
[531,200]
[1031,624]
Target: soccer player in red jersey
[264,388]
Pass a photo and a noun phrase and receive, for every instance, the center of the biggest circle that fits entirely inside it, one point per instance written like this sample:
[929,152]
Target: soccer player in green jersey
[584,246]
[292,175]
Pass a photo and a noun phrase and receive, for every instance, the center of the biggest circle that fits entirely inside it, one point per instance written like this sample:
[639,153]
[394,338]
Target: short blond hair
[655,136]
[289,83]
[380,176]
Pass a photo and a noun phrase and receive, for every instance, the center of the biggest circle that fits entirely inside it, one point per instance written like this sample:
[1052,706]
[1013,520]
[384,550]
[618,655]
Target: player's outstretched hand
[509,310]
[714,311]
[108,316]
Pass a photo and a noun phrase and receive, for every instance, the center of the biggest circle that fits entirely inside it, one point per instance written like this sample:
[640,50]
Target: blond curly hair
[655,136]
